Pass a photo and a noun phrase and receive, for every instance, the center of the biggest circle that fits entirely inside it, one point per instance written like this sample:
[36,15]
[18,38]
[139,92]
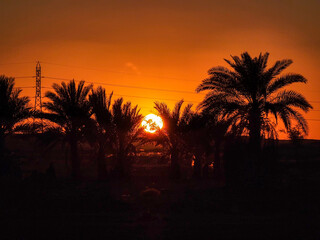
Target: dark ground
[41,207]
[187,209]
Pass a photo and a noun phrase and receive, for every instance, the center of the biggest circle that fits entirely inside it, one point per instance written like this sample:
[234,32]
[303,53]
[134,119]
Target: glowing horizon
[167,45]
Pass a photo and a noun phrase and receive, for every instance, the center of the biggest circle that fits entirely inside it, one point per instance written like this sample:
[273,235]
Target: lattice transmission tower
[38,103]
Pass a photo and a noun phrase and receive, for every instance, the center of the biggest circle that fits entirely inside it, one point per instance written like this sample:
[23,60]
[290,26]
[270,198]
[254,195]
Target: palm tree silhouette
[13,108]
[198,141]
[101,108]
[171,135]
[249,92]
[205,135]
[126,134]
[69,110]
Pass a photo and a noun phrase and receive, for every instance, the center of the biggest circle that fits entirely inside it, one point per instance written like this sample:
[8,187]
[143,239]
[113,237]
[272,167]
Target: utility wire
[139,96]
[25,77]
[133,96]
[16,63]
[127,86]
[56,78]
[136,87]
[312,119]
[128,73]
[119,72]
[164,99]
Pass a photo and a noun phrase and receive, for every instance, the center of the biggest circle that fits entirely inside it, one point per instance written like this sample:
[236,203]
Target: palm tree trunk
[102,172]
[119,167]
[175,167]
[255,130]
[218,167]
[197,167]
[254,145]
[75,161]
[2,143]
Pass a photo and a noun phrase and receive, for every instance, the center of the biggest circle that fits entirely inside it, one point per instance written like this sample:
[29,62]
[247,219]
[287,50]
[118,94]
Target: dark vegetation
[85,168]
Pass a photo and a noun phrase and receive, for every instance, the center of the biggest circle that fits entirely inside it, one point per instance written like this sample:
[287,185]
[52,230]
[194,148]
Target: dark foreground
[44,208]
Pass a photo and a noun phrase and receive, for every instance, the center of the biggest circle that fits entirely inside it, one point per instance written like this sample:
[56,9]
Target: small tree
[13,108]
[69,109]
[101,108]
[171,135]
[126,133]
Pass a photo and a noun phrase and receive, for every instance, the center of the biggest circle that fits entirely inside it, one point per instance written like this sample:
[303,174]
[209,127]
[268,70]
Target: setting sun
[152,123]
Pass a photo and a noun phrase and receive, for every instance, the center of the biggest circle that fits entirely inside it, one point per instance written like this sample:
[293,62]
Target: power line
[137,87]
[137,96]
[119,72]
[16,63]
[128,86]
[56,78]
[133,96]
[119,85]
[165,99]
[25,77]
[312,119]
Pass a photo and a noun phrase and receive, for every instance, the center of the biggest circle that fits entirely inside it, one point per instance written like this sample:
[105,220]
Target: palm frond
[13,108]
[176,111]
[277,68]
[285,81]
[292,98]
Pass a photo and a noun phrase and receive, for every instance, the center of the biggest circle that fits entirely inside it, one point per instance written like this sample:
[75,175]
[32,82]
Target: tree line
[244,101]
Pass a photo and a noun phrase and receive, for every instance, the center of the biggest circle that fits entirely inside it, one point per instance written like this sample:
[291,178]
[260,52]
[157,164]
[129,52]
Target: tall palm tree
[250,92]
[126,134]
[101,108]
[171,135]
[69,109]
[13,108]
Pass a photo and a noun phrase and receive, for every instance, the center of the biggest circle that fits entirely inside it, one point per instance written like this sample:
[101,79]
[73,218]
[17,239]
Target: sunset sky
[155,45]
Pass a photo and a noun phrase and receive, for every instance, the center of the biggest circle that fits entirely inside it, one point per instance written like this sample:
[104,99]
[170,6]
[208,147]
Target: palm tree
[69,110]
[101,108]
[13,108]
[171,136]
[250,92]
[205,136]
[198,141]
[118,129]
[126,134]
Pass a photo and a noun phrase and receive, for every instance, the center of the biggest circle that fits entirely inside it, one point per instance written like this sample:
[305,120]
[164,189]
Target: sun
[151,123]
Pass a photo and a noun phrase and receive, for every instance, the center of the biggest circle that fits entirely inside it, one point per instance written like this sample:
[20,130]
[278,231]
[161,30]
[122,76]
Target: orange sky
[157,44]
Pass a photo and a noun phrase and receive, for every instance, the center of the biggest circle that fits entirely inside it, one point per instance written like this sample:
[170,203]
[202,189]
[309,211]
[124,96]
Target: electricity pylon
[38,103]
